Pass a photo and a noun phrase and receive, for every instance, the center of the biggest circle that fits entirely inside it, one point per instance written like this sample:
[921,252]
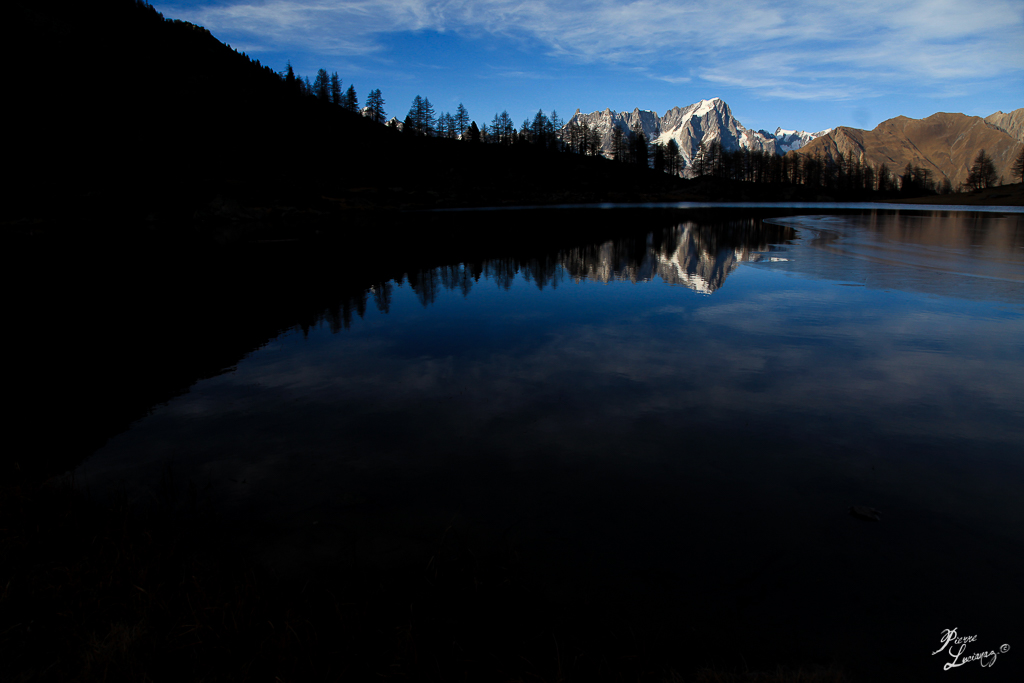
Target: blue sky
[798,64]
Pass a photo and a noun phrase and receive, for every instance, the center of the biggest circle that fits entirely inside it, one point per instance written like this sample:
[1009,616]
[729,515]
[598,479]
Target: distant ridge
[945,144]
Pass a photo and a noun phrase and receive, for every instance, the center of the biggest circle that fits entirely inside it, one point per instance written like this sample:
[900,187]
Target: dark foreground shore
[99,590]
[1003,195]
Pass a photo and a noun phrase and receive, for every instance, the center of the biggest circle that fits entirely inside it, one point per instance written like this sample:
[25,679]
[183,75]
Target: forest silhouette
[127,116]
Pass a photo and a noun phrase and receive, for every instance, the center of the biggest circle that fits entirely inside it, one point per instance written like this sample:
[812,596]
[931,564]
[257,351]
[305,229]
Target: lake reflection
[712,433]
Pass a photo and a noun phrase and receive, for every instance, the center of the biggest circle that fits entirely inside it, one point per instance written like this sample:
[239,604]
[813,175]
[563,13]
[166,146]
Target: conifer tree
[907,179]
[322,86]
[349,100]
[507,127]
[987,170]
[554,133]
[869,178]
[659,157]
[450,126]
[335,89]
[494,134]
[540,129]
[375,105]
[672,158]
[884,180]
[620,149]
[461,119]
[716,167]
[571,136]
[289,79]
[1018,166]
[593,142]
[428,117]
[983,172]
[700,160]
[638,150]
[417,113]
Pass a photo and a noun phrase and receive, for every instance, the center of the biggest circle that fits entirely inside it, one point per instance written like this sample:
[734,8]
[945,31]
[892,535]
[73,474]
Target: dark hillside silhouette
[151,103]
[121,115]
[120,111]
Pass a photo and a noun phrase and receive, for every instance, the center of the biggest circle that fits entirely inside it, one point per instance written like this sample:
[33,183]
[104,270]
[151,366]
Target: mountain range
[944,144]
[689,126]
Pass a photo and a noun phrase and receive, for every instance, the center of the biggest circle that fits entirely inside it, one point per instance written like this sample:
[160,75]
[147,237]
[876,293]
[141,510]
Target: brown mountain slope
[1012,123]
[945,144]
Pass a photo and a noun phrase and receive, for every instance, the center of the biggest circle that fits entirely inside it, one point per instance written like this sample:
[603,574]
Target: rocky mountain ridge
[701,122]
[945,144]
[1012,123]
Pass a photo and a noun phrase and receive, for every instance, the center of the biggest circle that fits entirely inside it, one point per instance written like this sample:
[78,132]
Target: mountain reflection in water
[691,254]
[618,429]
[697,255]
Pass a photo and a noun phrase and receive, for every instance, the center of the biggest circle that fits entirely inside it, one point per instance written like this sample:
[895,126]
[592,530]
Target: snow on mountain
[788,140]
[689,126]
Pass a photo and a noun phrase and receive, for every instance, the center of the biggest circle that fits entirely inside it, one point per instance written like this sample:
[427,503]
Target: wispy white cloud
[675,80]
[856,47]
[504,72]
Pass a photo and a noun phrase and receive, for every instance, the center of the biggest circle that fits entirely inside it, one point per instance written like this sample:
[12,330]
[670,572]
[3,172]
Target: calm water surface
[688,415]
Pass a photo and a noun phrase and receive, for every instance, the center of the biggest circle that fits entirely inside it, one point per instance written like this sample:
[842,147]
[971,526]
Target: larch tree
[375,106]
[417,113]
[1018,166]
[659,157]
[349,100]
[983,173]
[429,120]
[461,119]
[290,80]
[493,133]
[539,129]
[700,160]
[639,153]
[322,86]
[620,148]
[335,89]
[592,140]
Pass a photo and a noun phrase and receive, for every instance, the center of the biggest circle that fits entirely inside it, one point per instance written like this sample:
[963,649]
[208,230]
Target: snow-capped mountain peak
[705,106]
[701,122]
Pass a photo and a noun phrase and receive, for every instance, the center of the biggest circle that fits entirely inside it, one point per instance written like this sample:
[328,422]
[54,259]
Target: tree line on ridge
[842,173]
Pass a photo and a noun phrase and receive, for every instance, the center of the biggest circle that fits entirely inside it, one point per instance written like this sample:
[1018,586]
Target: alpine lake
[803,423]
